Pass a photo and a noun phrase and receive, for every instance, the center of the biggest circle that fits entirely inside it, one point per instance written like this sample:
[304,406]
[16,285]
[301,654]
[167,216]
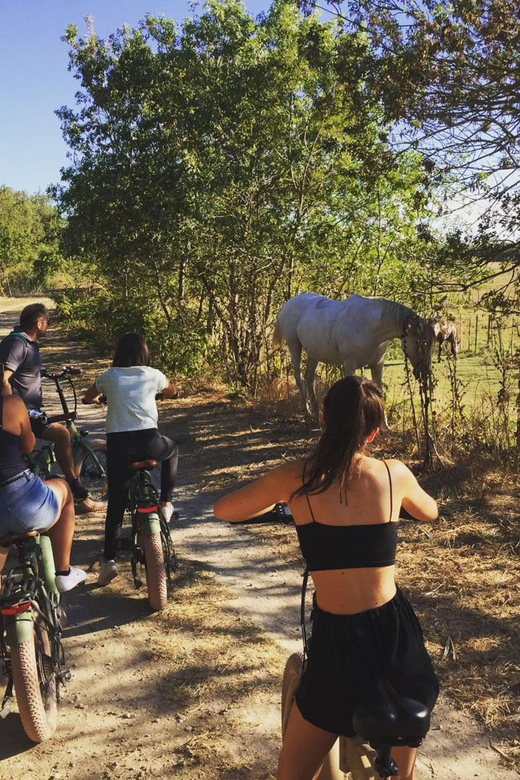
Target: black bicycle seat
[9,539]
[143,464]
[392,719]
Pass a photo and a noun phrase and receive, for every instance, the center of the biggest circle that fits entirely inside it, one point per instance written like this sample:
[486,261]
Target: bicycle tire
[89,475]
[156,579]
[37,698]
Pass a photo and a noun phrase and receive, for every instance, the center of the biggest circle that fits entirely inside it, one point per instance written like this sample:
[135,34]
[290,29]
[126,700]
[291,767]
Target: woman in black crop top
[346,508]
[26,502]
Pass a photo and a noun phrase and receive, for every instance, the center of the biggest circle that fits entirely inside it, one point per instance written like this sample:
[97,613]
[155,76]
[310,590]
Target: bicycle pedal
[175,516]
[65,676]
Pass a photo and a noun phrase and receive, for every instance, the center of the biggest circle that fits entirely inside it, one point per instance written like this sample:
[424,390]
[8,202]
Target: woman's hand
[92,396]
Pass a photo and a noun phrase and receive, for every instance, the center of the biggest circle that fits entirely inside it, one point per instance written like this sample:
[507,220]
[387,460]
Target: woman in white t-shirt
[130,387]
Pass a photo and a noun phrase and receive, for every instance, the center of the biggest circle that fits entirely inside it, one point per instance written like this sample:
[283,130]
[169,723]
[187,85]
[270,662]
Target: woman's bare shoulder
[13,403]
[292,469]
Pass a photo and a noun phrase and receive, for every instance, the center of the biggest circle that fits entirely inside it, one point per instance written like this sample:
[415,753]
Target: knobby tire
[36,696]
[156,579]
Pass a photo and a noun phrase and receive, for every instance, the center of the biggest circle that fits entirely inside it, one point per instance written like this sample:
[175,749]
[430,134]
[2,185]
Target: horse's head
[418,340]
[437,325]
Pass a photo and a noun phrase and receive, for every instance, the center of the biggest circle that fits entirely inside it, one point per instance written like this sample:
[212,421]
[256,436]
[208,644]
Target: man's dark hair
[131,350]
[32,313]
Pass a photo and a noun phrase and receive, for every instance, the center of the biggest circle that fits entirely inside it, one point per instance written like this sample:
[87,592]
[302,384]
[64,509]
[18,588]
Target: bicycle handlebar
[102,399]
[66,372]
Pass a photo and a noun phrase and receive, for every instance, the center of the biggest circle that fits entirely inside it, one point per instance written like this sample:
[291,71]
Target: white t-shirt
[130,396]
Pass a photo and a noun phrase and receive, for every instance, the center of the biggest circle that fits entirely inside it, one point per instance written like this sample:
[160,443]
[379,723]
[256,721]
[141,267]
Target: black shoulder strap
[302,616]
[391,494]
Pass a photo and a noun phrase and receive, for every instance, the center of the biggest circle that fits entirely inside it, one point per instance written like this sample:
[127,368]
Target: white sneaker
[107,572]
[65,582]
[167,512]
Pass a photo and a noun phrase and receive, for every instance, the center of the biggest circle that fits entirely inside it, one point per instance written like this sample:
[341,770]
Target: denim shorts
[27,504]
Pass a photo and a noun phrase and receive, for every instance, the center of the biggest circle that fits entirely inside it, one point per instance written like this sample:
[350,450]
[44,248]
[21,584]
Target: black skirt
[350,653]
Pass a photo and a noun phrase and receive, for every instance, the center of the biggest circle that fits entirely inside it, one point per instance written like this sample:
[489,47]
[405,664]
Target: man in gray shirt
[20,356]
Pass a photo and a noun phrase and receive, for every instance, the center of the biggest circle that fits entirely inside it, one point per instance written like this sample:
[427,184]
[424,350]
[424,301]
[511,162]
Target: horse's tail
[278,337]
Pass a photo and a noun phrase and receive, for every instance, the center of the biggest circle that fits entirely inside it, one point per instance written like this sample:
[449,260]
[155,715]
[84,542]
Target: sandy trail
[118,718]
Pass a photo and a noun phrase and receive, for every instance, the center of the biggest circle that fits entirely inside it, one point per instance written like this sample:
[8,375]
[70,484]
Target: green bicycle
[89,456]
[31,623]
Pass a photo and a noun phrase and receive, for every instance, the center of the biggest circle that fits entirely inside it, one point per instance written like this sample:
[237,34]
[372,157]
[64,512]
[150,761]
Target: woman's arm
[416,501]
[170,391]
[258,497]
[92,395]
[17,410]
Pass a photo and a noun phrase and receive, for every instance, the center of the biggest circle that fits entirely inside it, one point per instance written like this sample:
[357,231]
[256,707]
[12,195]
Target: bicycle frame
[41,462]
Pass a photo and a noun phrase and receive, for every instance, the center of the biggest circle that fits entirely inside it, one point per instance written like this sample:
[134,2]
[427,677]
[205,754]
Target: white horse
[353,333]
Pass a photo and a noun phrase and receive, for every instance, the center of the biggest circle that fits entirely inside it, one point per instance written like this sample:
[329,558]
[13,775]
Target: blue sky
[34,80]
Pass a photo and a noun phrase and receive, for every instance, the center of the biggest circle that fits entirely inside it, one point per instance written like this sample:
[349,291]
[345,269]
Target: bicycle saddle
[143,464]
[9,539]
[392,719]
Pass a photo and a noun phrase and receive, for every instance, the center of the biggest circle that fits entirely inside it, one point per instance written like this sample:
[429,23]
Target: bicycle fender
[84,444]
[19,629]
[49,576]
[150,526]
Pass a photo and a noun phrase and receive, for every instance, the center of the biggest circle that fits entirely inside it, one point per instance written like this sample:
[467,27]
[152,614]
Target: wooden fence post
[476,333]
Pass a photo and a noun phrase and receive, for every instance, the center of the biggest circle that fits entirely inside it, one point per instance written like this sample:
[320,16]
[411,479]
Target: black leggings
[125,448]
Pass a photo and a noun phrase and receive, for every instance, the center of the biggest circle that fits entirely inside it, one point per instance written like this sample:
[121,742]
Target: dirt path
[194,692]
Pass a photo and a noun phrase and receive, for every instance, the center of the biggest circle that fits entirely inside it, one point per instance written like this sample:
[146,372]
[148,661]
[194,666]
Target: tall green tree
[224,166]
[30,230]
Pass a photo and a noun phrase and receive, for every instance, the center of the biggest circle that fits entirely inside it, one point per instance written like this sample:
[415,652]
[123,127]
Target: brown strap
[391,495]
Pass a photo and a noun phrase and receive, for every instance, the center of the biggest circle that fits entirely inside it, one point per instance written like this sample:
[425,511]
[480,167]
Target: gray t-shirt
[20,354]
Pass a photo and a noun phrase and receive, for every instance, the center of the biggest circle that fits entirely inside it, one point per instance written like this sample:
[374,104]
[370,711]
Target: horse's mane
[398,312]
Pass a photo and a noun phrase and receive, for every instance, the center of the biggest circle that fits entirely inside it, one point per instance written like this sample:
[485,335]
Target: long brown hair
[131,350]
[352,410]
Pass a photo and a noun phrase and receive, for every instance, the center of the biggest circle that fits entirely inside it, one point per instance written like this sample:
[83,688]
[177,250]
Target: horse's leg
[310,382]
[440,351]
[376,372]
[295,348]
[454,346]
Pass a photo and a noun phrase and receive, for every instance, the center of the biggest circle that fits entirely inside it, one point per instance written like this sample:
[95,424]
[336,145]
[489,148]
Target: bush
[97,316]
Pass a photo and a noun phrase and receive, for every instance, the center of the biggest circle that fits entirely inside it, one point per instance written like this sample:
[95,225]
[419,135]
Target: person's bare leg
[405,758]
[304,748]
[62,532]
[60,437]
[3,557]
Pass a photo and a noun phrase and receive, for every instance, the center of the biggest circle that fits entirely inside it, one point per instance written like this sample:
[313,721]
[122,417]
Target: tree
[219,168]
[29,235]
[447,77]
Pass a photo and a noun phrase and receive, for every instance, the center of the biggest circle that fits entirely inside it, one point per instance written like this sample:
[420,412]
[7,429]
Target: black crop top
[328,547]
[12,462]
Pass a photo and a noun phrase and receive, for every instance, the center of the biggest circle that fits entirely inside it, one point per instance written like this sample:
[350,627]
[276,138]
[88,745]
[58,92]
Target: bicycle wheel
[94,476]
[156,580]
[35,684]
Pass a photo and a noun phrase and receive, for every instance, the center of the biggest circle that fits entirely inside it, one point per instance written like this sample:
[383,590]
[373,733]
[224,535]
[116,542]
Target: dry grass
[220,674]
[462,574]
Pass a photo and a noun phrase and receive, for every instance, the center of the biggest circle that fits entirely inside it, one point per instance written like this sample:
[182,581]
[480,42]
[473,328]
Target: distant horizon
[36,80]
